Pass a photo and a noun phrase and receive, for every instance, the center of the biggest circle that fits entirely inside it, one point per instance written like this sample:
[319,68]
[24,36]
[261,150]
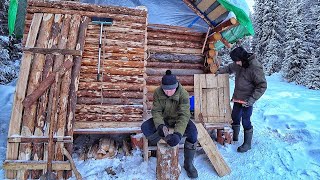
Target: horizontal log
[173,65]
[35,165]
[115,17]
[151,88]
[177,72]
[94,29]
[226,25]
[156,80]
[110,94]
[173,30]
[161,35]
[112,70]
[39,139]
[89,7]
[116,56]
[113,109]
[172,57]
[94,42]
[93,50]
[108,117]
[53,51]
[95,34]
[106,125]
[150,96]
[115,63]
[111,78]
[111,86]
[110,101]
[174,43]
[168,49]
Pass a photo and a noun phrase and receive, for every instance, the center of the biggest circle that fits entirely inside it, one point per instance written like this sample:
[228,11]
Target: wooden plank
[221,101]
[54,51]
[205,4]
[212,152]
[214,14]
[212,97]
[17,108]
[98,125]
[197,97]
[35,165]
[203,96]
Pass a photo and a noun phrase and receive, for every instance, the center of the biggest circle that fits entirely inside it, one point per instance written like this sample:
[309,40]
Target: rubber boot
[236,130]
[247,141]
[154,139]
[189,152]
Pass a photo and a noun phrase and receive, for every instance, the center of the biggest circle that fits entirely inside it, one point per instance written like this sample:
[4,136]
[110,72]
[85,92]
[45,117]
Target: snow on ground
[285,144]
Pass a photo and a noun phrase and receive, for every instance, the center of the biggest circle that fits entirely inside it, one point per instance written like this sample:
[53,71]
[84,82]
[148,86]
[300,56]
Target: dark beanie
[239,54]
[169,81]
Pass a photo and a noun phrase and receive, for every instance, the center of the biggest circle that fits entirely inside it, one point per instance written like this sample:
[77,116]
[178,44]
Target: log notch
[176,48]
[167,162]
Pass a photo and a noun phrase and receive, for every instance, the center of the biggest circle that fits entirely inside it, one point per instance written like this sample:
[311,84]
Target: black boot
[189,152]
[154,139]
[236,130]
[247,141]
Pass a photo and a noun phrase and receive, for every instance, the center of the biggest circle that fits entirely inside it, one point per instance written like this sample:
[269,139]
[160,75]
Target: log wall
[176,48]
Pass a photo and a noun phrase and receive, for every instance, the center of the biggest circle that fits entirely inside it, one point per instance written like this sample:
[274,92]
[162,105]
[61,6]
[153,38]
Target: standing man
[250,85]
[171,109]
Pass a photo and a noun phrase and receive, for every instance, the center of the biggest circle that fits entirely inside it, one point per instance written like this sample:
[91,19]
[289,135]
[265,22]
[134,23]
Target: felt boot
[236,130]
[247,141]
[189,153]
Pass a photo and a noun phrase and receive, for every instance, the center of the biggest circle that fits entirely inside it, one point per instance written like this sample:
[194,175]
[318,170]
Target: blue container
[191,103]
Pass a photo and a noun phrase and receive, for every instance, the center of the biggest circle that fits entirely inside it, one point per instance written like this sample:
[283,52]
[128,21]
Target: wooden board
[214,14]
[212,152]
[205,4]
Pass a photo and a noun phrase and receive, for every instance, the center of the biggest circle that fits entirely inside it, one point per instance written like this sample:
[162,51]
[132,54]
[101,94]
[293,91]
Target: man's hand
[173,139]
[161,130]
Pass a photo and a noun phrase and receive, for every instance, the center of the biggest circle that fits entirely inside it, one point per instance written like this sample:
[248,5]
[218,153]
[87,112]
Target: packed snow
[285,143]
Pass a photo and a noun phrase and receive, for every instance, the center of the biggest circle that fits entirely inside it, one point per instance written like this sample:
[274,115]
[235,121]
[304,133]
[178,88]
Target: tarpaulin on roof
[170,12]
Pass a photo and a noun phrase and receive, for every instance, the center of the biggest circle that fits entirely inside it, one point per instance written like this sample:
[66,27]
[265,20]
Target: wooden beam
[39,139]
[214,14]
[53,51]
[225,25]
[98,125]
[34,165]
[199,13]
[205,4]
[212,152]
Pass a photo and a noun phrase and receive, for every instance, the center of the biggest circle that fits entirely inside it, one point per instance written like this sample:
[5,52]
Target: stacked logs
[118,94]
[176,48]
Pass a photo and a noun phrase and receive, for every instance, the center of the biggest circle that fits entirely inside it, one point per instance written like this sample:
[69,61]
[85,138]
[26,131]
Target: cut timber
[205,4]
[225,25]
[16,114]
[198,12]
[212,152]
[53,51]
[216,12]
[167,162]
[35,165]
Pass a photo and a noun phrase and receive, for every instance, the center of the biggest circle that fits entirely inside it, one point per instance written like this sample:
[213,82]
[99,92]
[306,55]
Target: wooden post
[167,162]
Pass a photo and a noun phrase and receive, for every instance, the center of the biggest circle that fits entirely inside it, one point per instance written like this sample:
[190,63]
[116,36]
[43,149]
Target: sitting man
[171,109]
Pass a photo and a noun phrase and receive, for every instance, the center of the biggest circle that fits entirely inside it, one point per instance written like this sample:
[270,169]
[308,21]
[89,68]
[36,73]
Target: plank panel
[205,4]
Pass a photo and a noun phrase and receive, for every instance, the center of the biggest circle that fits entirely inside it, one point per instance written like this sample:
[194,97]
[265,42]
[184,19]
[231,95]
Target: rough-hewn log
[111,78]
[110,86]
[94,29]
[153,88]
[89,7]
[174,43]
[115,17]
[53,51]
[107,125]
[169,36]
[173,65]
[35,165]
[39,139]
[116,56]
[110,94]
[177,72]
[95,33]
[115,101]
[150,96]
[46,83]
[92,50]
[29,115]
[156,80]
[167,162]
[113,109]
[108,117]
[113,70]
[176,30]
[168,49]
[226,25]
[115,63]
[75,79]
[172,57]
[94,42]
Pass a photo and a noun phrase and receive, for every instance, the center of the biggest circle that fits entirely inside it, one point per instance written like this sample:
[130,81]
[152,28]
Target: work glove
[245,104]
[160,130]
[173,139]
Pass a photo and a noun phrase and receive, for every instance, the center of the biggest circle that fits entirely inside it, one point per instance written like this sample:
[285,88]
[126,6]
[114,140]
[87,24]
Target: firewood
[125,147]
[104,144]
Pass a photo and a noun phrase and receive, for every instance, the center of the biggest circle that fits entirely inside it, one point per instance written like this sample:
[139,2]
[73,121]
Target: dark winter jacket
[175,110]
[250,83]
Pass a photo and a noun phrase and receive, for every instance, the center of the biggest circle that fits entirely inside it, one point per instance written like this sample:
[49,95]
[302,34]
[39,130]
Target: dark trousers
[148,128]
[239,112]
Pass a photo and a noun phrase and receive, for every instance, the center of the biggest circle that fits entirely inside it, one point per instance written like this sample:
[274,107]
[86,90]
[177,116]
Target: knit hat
[169,81]
[239,54]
